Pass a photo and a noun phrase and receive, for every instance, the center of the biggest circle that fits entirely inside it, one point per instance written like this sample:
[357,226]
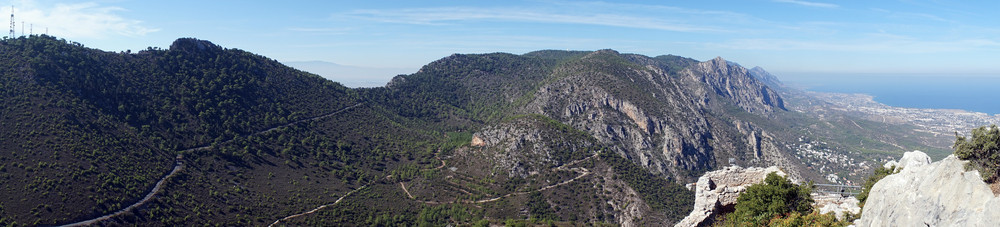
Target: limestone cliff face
[718,190]
[665,118]
[735,83]
[532,146]
[942,193]
[766,77]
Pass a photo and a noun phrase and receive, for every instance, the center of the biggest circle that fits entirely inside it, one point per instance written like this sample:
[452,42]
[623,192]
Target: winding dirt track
[304,120]
[179,165]
[351,192]
[159,185]
[319,207]
[583,172]
[401,185]
[326,205]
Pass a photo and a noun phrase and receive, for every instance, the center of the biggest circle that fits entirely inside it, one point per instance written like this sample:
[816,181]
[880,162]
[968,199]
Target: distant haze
[930,91]
[350,76]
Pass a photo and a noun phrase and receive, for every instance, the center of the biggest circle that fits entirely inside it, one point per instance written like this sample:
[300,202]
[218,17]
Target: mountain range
[348,75]
[198,134]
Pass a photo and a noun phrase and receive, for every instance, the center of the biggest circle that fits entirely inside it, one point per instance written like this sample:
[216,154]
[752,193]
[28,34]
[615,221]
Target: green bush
[761,203]
[812,219]
[981,151]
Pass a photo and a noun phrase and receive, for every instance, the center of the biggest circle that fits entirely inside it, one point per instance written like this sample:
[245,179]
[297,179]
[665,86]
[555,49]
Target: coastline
[937,121]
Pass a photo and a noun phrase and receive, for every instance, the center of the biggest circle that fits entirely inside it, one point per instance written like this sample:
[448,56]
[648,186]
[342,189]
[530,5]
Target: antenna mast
[11,21]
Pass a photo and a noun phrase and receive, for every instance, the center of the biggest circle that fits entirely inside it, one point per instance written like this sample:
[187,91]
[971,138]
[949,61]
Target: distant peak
[607,51]
[192,44]
[603,52]
[717,62]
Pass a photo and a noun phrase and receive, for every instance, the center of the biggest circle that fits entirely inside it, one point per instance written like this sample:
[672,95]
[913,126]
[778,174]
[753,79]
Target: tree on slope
[777,196]
[982,150]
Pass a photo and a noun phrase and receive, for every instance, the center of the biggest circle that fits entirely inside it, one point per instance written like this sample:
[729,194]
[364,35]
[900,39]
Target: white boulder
[836,204]
[914,159]
[942,193]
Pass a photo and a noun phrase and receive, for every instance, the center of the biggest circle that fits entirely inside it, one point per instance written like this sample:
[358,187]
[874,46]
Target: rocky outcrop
[769,79]
[477,142]
[195,45]
[836,204]
[942,193]
[735,83]
[526,146]
[910,159]
[717,191]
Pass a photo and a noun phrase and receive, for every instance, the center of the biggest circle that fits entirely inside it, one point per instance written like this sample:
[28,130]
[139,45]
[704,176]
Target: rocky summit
[941,193]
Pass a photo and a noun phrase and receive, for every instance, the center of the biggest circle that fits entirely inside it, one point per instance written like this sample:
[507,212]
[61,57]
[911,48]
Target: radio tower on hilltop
[11,22]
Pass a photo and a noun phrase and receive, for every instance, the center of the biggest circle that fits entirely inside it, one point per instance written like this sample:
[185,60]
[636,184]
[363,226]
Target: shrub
[981,151]
[812,219]
[775,197]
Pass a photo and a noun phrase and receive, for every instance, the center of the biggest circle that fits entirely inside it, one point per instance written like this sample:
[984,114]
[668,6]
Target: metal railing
[842,190]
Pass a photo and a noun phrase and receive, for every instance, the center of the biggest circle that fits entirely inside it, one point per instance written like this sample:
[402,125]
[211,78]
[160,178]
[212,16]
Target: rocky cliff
[664,117]
[717,191]
[734,82]
[942,193]
[764,76]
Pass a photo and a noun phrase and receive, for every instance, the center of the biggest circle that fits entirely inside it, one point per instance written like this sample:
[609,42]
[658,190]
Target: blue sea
[977,93]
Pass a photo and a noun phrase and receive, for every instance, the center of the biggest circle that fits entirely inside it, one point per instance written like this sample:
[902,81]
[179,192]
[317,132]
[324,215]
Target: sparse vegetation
[662,195]
[982,150]
[813,219]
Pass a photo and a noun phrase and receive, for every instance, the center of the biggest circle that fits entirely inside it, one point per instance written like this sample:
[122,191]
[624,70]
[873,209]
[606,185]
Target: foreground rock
[717,191]
[942,193]
[836,204]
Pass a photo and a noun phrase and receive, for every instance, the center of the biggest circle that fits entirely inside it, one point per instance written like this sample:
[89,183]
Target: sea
[975,93]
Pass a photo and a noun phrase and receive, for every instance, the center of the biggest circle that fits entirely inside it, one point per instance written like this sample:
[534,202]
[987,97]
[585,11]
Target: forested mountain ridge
[570,136]
[93,130]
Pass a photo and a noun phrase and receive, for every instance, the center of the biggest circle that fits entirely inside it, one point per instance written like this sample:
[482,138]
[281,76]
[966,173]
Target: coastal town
[835,161]
[937,121]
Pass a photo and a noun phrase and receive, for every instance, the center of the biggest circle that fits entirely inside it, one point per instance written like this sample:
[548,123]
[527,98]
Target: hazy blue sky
[780,35]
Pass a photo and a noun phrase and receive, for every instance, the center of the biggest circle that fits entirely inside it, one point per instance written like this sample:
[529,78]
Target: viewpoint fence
[837,189]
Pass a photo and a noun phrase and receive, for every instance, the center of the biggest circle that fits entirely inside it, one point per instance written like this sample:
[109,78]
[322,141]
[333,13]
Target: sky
[783,36]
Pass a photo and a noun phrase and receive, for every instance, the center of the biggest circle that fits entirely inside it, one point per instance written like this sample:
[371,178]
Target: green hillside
[88,132]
